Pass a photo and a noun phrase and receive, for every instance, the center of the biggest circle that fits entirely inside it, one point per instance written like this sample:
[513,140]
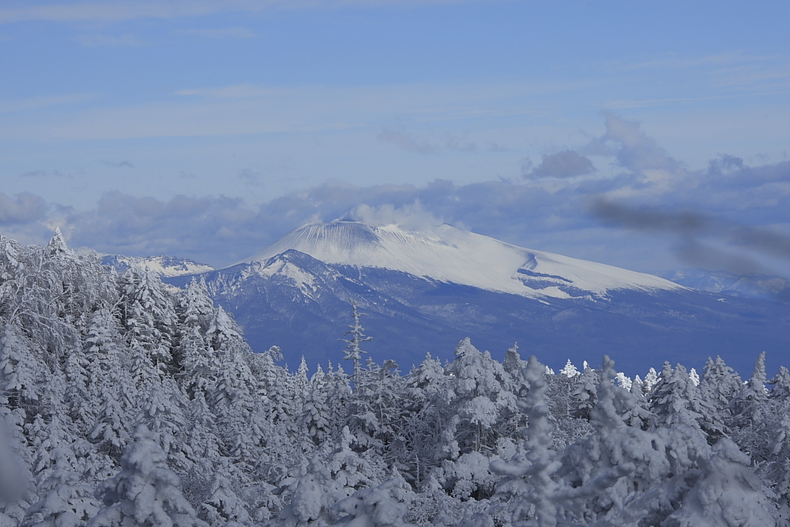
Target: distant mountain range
[166,266]
[423,291]
[765,287]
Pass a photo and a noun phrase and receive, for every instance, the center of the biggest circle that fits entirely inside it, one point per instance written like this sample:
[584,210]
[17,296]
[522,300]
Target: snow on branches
[118,387]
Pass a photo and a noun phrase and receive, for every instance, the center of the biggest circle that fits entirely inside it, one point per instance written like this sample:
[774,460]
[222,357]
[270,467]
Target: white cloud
[233,91]
[420,144]
[732,74]
[543,213]
[35,103]
[120,11]
[257,109]
[411,216]
[407,141]
[228,32]
[622,104]
[95,40]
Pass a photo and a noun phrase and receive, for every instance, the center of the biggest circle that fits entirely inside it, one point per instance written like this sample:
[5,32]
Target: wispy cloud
[646,103]
[121,11]
[228,32]
[731,74]
[674,61]
[96,40]
[651,210]
[34,103]
[260,109]
[118,164]
[234,91]
[407,141]
[412,142]
[45,174]
[34,174]
[118,11]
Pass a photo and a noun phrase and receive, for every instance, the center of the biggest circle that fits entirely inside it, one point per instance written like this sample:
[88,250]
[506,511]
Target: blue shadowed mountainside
[423,292]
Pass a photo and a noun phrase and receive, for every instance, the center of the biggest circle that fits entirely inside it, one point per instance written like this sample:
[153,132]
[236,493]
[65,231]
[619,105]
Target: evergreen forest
[125,402]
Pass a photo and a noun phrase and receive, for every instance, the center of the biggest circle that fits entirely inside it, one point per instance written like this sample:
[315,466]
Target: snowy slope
[448,254]
[167,266]
[766,287]
[424,291]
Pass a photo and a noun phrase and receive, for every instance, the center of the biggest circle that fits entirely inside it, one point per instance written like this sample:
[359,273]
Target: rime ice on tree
[353,352]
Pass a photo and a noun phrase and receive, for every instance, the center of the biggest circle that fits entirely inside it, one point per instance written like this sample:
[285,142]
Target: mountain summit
[425,290]
[451,255]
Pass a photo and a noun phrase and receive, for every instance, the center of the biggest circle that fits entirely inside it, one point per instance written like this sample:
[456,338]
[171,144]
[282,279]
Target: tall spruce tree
[353,351]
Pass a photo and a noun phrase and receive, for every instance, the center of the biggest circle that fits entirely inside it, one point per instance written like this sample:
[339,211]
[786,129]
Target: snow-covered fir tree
[124,402]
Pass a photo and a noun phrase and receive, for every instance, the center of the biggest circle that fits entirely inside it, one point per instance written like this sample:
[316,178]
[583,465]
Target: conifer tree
[727,493]
[353,352]
[222,504]
[67,499]
[614,471]
[150,316]
[14,478]
[145,492]
[379,506]
[111,384]
[584,394]
[780,385]
[481,400]
[748,402]
[529,481]
[20,372]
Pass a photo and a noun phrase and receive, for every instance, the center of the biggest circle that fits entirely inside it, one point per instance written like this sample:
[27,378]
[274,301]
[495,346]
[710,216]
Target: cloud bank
[649,213]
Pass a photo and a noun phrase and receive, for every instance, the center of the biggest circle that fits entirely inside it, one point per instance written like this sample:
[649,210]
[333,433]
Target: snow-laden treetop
[449,254]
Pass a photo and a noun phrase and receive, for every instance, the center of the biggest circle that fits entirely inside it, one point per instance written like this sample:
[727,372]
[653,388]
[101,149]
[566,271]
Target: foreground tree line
[125,403]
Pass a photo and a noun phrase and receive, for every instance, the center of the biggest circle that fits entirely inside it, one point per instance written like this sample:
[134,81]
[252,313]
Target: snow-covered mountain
[166,266]
[447,254]
[423,291]
[766,287]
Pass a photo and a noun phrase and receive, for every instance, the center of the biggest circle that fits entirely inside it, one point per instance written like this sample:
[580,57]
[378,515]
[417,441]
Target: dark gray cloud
[685,223]
[696,253]
[691,228]
[565,164]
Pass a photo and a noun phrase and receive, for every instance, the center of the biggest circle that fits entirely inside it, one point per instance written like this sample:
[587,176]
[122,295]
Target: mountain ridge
[292,299]
[448,254]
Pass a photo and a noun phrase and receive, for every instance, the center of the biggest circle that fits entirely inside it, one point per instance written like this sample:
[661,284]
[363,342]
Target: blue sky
[207,129]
